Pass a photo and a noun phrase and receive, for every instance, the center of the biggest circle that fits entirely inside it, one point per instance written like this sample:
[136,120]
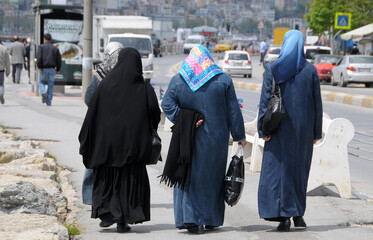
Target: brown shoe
[43,97]
[2,99]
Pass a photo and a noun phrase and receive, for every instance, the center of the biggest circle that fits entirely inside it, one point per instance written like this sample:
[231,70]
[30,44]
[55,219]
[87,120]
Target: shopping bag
[234,179]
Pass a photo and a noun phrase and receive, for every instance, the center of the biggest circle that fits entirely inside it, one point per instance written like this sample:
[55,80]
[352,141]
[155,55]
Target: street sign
[261,24]
[342,20]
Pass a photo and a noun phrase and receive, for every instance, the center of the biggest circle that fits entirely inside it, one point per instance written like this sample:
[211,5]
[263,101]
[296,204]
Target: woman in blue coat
[203,87]
[288,151]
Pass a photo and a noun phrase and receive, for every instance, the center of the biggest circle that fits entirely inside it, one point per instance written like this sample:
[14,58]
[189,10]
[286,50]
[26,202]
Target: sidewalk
[327,215]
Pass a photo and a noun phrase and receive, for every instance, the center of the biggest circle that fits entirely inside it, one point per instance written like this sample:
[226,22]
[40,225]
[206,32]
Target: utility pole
[87,46]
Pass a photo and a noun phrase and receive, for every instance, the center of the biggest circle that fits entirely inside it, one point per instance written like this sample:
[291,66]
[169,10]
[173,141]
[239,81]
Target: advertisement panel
[67,35]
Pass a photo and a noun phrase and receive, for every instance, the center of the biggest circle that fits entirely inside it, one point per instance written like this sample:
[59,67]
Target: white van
[193,41]
[143,44]
[310,51]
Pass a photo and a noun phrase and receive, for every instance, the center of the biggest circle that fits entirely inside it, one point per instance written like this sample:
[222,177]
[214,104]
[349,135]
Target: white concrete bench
[330,157]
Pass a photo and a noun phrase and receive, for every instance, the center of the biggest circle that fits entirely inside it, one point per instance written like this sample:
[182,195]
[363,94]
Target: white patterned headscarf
[110,59]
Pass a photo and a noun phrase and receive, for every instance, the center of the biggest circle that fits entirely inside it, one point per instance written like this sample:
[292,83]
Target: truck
[131,31]
[278,35]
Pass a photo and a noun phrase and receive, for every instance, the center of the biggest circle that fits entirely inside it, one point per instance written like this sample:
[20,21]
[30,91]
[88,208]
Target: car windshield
[237,56]
[361,59]
[193,40]
[312,52]
[275,51]
[223,42]
[142,45]
[327,59]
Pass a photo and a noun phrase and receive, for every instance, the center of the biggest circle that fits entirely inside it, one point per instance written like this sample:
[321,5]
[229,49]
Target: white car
[311,51]
[236,63]
[193,41]
[271,55]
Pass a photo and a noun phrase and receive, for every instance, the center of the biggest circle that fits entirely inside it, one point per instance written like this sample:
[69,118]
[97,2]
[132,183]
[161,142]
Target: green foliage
[51,156]
[248,26]
[321,14]
[72,229]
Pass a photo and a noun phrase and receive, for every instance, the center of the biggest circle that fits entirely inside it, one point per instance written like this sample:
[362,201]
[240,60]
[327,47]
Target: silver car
[353,69]
[237,63]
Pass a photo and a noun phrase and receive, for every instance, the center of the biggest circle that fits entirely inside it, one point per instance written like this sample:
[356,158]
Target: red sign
[261,24]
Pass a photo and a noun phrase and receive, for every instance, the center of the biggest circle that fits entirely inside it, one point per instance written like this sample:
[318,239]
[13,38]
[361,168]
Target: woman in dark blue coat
[203,87]
[288,151]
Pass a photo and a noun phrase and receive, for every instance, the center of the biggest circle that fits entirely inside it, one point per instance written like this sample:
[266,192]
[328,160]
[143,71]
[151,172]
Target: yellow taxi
[223,45]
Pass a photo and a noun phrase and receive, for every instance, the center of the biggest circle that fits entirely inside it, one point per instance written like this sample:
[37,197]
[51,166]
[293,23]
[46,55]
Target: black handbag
[155,155]
[275,111]
[234,179]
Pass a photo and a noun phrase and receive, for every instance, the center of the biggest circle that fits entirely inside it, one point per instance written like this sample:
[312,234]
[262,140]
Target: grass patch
[72,229]
[4,129]
[51,156]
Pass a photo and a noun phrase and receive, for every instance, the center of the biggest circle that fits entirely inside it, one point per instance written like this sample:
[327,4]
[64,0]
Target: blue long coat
[287,156]
[216,100]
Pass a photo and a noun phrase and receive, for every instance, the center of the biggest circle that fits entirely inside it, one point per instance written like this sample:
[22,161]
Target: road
[360,148]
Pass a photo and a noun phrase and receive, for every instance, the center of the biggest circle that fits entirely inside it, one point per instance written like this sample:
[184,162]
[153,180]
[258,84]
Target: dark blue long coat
[287,156]
[216,100]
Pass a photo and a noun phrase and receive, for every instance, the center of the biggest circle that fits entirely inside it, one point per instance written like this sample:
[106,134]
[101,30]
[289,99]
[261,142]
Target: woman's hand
[267,138]
[315,141]
[243,143]
[199,123]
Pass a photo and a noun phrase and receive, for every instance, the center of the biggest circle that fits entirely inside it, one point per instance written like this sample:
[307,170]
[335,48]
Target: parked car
[272,54]
[236,63]
[353,69]
[324,65]
[311,51]
[193,41]
[223,45]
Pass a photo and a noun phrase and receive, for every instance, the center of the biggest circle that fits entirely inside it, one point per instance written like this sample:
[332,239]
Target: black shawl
[178,164]
[115,130]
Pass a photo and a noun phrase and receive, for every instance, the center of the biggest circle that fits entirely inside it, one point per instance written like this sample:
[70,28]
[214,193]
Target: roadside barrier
[330,156]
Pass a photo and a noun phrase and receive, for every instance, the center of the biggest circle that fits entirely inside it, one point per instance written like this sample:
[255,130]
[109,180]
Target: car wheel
[333,82]
[368,85]
[343,82]
[249,75]
[244,75]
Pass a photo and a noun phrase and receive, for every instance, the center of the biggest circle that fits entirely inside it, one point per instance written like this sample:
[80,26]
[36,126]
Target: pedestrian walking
[49,63]
[201,86]
[4,68]
[17,52]
[110,60]
[115,143]
[288,151]
[27,57]
[263,50]
[354,50]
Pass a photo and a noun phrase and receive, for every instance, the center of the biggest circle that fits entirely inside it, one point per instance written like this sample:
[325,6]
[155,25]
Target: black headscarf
[116,129]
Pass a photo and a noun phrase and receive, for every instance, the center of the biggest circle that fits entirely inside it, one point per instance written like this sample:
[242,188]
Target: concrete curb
[343,98]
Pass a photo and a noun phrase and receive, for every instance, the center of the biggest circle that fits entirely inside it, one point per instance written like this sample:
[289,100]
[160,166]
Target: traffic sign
[342,20]
[261,24]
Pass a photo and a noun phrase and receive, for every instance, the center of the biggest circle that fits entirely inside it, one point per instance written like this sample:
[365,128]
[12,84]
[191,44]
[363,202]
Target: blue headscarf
[198,68]
[291,59]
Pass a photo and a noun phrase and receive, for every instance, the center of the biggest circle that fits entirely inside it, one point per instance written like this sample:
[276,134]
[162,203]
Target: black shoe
[43,97]
[2,99]
[196,229]
[284,226]
[104,224]
[299,222]
[123,227]
[209,227]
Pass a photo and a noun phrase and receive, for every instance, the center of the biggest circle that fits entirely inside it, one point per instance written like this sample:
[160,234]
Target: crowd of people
[201,102]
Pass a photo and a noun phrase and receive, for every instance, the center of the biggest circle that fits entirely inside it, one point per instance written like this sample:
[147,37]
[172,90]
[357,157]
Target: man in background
[263,50]
[49,63]
[18,52]
[4,67]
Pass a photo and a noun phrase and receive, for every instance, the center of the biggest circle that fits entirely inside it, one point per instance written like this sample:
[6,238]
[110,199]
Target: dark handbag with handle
[155,156]
[275,111]
[234,179]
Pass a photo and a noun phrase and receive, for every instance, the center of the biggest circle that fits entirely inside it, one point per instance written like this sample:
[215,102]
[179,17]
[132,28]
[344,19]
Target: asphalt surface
[327,215]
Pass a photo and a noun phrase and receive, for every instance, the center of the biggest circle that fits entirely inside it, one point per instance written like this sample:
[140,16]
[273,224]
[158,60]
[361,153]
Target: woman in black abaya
[115,143]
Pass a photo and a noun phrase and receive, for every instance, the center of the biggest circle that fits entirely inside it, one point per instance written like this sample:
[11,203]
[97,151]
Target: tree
[321,14]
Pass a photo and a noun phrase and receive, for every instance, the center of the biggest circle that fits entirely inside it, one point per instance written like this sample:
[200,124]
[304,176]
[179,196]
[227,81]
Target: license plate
[237,64]
[365,70]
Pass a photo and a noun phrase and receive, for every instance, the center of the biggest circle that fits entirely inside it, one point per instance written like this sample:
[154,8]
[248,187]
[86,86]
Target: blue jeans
[87,186]
[2,83]
[47,77]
